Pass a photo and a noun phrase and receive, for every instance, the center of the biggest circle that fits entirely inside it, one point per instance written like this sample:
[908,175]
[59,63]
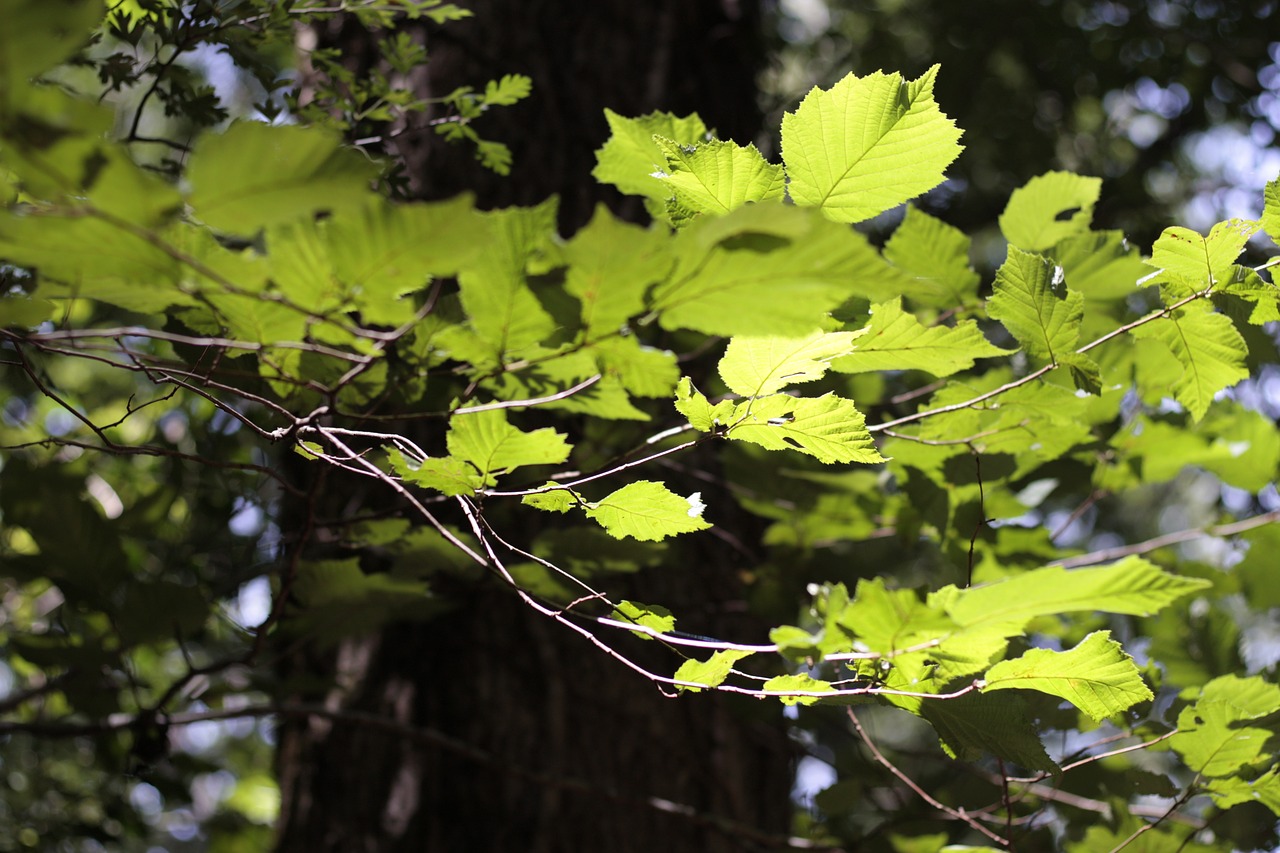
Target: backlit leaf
[717,176]
[494,447]
[631,155]
[1191,262]
[648,511]
[936,256]
[867,144]
[829,428]
[1049,208]
[896,340]
[711,672]
[755,367]
[1208,347]
[1096,676]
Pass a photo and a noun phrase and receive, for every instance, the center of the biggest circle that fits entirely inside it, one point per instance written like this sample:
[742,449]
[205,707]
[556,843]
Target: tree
[943,494]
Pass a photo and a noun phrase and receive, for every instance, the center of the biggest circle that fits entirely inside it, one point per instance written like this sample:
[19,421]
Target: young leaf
[1048,209]
[1191,262]
[711,672]
[799,682]
[896,340]
[494,447]
[646,615]
[630,156]
[254,175]
[1096,676]
[648,511]
[1213,736]
[1208,347]
[936,256]
[755,367]
[717,176]
[694,405]
[867,144]
[829,428]
[511,89]
[556,499]
[1033,302]
[448,475]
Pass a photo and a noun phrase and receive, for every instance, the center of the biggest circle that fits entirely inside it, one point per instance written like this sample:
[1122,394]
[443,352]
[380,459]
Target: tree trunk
[493,727]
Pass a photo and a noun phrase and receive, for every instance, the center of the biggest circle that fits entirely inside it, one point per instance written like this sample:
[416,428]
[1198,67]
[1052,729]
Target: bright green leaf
[1033,302]
[648,511]
[711,672]
[555,499]
[1271,210]
[645,615]
[448,475]
[1096,676]
[867,144]
[511,89]
[828,428]
[631,155]
[717,176]
[1208,347]
[494,447]
[896,340]
[1191,262]
[1049,208]
[936,256]
[1214,737]
[755,367]
[800,683]
[702,416]
[611,265]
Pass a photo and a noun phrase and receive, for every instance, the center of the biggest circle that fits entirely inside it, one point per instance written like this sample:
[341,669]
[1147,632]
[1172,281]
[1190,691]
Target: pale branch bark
[1163,541]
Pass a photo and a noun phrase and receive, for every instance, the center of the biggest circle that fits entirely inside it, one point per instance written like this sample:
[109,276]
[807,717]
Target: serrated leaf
[1191,262]
[555,499]
[711,672]
[510,89]
[494,447]
[976,724]
[755,367]
[1234,791]
[254,175]
[896,340]
[646,615]
[717,176]
[694,405]
[611,265]
[1214,737]
[1096,676]
[447,475]
[642,370]
[867,144]
[1208,347]
[1130,586]
[630,156]
[37,35]
[936,256]
[1033,302]
[1271,210]
[1100,264]
[828,428]
[765,269]
[801,683]
[648,511]
[1049,208]
[495,293]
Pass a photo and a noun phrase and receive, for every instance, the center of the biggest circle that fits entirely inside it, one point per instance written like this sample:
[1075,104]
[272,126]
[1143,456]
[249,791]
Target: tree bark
[505,731]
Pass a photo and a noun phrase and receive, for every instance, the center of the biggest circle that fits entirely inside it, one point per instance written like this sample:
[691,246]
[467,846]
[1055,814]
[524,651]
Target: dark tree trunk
[528,738]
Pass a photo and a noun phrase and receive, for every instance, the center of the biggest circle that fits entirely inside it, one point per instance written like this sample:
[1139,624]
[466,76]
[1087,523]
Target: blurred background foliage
[111,611]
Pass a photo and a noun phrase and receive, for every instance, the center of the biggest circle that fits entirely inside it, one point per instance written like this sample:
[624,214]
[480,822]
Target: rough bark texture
[529,738]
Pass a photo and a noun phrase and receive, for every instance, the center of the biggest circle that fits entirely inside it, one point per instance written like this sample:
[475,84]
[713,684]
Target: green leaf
[36,36]
[1271,210]
[611,265]
[936,256]
[976,724]
[648,511]
[711,672]
[1100,264]
[254,175]
[631,155]
[801,683]
[896,340]
[1048,209]
[702,416]
[1208,347]
[754,367]
[1234,791]
[1214,737]
[511,89]
[717,176]
[336,599]
[867,144]
[448,475]
[828,428]
[1130,586]
[494,447]
[556,499]
[495,293]
[646,615]
[1191,262]
[732,272]
[1096,676]
[20,311]
[1033,302]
